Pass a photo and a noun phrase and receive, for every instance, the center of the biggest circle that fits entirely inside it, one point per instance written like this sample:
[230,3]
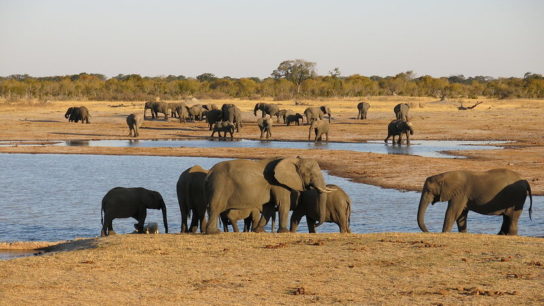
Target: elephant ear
[286,173]
[450,187]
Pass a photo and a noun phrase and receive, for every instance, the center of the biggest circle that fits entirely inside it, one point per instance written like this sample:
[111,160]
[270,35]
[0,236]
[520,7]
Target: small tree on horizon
[296,71]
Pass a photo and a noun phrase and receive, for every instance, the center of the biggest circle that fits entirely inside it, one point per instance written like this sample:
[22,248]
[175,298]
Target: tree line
[286,82]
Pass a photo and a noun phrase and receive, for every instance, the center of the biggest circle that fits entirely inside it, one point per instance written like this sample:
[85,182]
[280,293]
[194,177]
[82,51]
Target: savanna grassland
[244,268]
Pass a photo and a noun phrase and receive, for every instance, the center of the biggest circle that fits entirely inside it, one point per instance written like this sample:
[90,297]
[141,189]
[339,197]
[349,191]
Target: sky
[248,38]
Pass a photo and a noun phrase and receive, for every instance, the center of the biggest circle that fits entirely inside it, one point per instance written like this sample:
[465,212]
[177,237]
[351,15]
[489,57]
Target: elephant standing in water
[314,113]
[319,127]
[191,198]
[134,121]
[493,192]
[233,114]
[363,109]
[338,209]
[249,184]
[122,202]
[401,111]
[397,128]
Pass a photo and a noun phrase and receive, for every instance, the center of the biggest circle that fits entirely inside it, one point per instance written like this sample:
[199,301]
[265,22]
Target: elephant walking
[320,128]
[191,198]
[265,126]
[296,118]
[75,114]
[225,127]
[338,209]
[314,113]
[134,121]
[122,202]
[401,111]
[397,128]
[363,109]
[493,192]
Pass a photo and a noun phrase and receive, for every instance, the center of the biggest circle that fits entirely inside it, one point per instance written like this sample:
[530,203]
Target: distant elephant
[319,127]
[397,128]
[266,108]
[210,107]
[134,121]
[191,198]
[296,118]
[251,218]
[182,111]
[283,113]
[314,113]
[214,116]
[225,127]
[75,114]
[156,108]
[338,209]
[196,112]
[249,184]
[401,111]
[173,107]
[363,109]
[122,202]
[233,114]
[265,125]
[150,105]
[493,192]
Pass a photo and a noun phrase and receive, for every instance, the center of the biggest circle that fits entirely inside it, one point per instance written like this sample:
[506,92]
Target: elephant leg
[194,221]
[454,210]
[400,139]
[387,138]
[203,222]
[510,222]
[311,224]
[295,218]
[505,225]
[327,136]
[216,206]
[142,214]
[106,226]
[184,214]
[284,205]
[462,222]
[234,224]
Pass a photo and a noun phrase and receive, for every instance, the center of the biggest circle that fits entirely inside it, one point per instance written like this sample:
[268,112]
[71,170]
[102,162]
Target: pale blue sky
[240,38]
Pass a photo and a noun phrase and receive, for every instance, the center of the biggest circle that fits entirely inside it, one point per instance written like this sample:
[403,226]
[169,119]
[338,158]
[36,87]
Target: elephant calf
[223,126]
[296,118]
[75,114]
[397,128]
[265,125]
[338,209]
[251,217]
[134,121]
[319,127]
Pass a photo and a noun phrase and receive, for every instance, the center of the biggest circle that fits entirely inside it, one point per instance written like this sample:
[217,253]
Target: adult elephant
[134,121]
[149,105]
[213,116]
[233,114]
[191,198]
[76,114]
[266,108]
[338,209]
[248,184]
[196,112]
[314,113]
[493,192]
[121,202]
[320,128]
[397,128]
[363,109]
[265,126]
[401,111]
[182,111]
[173,107]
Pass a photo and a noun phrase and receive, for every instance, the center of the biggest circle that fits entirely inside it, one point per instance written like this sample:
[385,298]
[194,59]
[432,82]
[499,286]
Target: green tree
[296,71]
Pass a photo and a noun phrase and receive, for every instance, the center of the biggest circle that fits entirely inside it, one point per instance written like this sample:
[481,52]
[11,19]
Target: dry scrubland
[293,268]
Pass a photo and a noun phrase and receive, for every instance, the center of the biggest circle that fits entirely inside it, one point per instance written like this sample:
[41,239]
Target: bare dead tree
[469,107]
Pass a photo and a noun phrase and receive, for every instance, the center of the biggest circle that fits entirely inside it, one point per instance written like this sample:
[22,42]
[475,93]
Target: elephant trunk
[321,207]
[164,219]
[424,202]
[255,109]
[310,132]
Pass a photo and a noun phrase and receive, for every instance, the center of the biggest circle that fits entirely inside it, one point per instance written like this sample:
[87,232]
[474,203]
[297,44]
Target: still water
[427,148]
[58,197]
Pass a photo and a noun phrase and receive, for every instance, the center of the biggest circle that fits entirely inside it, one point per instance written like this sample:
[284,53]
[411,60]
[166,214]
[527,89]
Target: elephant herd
[252,190]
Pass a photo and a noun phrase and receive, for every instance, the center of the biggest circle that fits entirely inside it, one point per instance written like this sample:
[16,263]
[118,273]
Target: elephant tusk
[325,190]
[330,189]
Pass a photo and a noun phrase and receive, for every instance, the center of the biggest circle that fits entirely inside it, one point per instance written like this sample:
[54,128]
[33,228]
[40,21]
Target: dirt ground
[248,268]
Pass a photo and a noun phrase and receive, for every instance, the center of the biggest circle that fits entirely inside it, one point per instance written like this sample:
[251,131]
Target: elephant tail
[530,201]
[348,212]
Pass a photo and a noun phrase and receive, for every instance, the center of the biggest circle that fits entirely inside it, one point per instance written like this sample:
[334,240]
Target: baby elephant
[223,126]
[296,118]
[338,209]
[251,218]
[319,127]
[397,128]
[134,121]
[150,228]
[265,125]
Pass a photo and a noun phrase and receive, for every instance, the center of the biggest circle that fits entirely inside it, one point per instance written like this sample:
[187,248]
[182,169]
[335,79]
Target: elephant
[223,126]
[182,112]
[251,217]
[191,198]
[493,192]
[338,209]
[173,107]
[401,111]
[151,228]
[210,107]
[213,116]
[75,114]
[233,114]
[265,125]
[363,109]
[314,113]
[134,121]
[121,202]
[293,118]
[397,128]
[248,184]
[319,127]
[197,112]
[266,108]
[283,113]
[156,108]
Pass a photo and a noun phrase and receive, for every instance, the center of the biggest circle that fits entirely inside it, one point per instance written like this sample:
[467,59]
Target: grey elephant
[397,128]
[196,112]
[314,113]
[210,107]
[75,114]
[213,116]
[191,198]
[175,108]
[251,217]
[283,113]
[266,109]
[121,202]
[338,209]
[296,118]
[401,111]
[182,112]
[493,192]
[248,184]
[320,128]
[149,105]
[363,109]
[225,127]
[134,121]
[265,126]
[156,108]
[233,114]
